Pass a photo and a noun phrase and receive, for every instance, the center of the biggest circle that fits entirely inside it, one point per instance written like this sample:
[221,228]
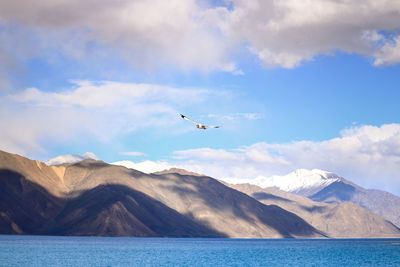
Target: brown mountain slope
[112,210]
[95,198]
[50,178]
[336,220]
[383,203]
[116,210]
[202,198]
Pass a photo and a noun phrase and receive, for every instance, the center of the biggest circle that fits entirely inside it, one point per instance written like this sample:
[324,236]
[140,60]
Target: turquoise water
[112,251]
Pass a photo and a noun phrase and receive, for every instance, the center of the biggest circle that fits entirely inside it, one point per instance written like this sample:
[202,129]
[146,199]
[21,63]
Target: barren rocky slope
[324,186]
[345,219]
[383,203]
[94,198]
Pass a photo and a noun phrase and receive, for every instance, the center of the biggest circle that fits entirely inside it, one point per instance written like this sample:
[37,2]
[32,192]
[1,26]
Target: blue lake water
[113,251]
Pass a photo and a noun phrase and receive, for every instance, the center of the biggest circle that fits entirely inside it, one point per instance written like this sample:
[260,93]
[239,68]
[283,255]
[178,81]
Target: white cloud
[146,166]
[190,34]
[367,155]
[148,33]
[89,94]
[97,110]
[389,53]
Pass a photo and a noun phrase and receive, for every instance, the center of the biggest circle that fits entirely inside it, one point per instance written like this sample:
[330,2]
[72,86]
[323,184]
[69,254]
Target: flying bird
[199,125]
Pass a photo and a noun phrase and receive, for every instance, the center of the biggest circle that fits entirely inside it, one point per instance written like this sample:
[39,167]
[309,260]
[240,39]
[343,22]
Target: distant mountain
[95,198]
[345,219]
[381,202]
[69,158]
[328,187]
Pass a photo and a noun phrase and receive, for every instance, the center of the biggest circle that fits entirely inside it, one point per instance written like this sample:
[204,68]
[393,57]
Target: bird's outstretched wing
[186,118]
[199,125]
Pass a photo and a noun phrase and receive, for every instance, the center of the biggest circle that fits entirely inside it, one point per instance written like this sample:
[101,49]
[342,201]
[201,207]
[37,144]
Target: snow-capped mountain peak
[301,179]
[70,158]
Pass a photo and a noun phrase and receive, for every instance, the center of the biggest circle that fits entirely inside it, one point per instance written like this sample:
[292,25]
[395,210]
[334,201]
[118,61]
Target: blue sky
[311,85]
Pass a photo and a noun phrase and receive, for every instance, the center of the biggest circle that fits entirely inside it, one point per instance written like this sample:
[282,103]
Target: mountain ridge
[340,220]
[91,197]
[337,190]
[96,198]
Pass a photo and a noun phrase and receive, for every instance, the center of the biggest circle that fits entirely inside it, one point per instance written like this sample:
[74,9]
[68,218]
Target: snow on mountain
[146,166]
[70,158]
[298,180]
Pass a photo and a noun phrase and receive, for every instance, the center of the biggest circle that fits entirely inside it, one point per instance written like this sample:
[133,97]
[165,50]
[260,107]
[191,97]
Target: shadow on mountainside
[221,198]
[106,210]
[266,196]
[314,209]
[25,207]
[184,192]
[335,193]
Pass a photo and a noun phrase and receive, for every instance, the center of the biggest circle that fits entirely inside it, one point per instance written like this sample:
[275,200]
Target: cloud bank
[366,155]
[287,33]
[147,34]
[198,35]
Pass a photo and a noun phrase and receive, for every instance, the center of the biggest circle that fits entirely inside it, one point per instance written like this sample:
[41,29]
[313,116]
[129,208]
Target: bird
[199,125]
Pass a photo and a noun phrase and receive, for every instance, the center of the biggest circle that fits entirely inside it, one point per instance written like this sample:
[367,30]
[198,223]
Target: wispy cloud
[133,154]
[90,94]
[99,110]
[236,116]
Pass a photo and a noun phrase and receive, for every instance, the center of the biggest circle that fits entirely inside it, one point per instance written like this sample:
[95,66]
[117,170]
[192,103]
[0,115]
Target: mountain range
[91,197]
[322,186]
[343,220]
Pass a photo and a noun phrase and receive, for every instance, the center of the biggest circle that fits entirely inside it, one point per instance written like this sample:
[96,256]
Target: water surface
[125,251]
